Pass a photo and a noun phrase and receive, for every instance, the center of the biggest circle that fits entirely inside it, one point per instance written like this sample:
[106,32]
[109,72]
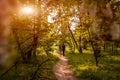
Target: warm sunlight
[27,10]
[59,39]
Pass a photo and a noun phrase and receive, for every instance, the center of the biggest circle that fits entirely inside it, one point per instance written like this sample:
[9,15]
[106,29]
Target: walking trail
[62,70]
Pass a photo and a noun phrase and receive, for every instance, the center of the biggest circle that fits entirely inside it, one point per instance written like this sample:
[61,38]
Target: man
[63,49]
[60,49]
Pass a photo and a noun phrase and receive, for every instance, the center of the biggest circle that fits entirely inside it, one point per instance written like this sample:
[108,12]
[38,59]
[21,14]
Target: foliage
[91,25]
[84,67]
[25,71]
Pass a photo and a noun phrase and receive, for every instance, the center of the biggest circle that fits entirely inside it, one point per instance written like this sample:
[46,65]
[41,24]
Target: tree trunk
[80,51]
[96,60]
[35,43]
[112,46]
[72,46]
[18,44]
[104,46]
[80,46]
[95,50]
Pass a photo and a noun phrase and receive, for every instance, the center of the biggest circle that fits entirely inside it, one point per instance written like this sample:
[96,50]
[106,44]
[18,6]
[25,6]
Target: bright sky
[73,21]
[51,16]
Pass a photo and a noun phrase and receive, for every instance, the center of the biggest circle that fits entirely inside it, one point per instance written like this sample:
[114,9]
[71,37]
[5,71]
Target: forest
[59,39]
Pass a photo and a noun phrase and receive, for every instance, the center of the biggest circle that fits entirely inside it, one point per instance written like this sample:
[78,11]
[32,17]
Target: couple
[62,49]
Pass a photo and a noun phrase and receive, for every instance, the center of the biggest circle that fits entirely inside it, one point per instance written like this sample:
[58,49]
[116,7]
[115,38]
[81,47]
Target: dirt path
[62,71]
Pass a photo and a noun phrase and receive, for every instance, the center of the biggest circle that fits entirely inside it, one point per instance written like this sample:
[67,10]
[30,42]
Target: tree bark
[80,51]
[80,46]
[18,44]
[95,50]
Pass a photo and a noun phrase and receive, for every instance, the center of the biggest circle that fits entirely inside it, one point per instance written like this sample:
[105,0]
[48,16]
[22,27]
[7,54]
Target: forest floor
[62,70]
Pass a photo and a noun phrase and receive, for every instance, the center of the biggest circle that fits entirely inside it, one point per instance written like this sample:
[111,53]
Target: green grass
[25,71]
[83,66]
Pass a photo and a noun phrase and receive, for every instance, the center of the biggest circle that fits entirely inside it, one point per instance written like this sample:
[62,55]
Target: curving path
[62,71]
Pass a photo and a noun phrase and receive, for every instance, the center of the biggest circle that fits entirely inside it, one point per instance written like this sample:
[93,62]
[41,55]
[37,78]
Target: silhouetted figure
[60,49]
[63,49]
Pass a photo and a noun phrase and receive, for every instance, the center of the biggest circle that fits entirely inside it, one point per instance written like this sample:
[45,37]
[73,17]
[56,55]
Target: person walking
[63,49]
[60,49]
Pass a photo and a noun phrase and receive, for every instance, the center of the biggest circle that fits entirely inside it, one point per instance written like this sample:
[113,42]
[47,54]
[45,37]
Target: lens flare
[27,10]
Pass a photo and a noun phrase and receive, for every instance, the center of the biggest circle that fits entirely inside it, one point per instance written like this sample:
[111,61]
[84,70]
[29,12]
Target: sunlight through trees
[32,31]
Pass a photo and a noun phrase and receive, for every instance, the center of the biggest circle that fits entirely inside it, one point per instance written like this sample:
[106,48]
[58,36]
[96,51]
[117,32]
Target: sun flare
[27,10]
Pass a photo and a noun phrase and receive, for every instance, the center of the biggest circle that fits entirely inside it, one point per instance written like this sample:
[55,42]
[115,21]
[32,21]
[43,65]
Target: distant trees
[76,22]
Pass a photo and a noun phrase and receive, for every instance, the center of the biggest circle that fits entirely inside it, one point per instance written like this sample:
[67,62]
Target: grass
[25,71]
[83,66]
